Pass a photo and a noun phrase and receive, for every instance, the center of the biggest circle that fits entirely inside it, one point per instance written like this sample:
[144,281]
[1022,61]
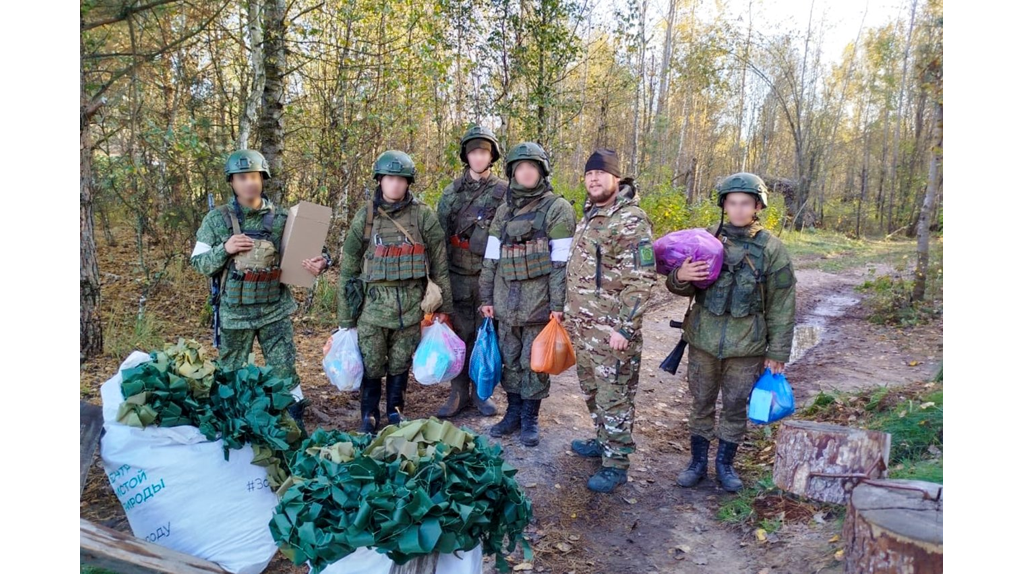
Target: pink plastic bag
[673,249]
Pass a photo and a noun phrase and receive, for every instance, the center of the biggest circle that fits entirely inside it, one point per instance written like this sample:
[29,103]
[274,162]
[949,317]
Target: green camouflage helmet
[531,151]
[246,161]
[743,182]
[393,162]
[479,133]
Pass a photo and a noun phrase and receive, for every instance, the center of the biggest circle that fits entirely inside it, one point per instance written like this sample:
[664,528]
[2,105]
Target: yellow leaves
[761,534]
[523,567]
[839,555]
[834,539]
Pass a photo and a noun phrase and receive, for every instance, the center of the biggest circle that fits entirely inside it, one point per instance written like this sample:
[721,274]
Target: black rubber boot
[698,469]
[589,448]
[723,466]
[457,400]
[529,435]
[369,405]
[510,423]
[607,479]
[396,385]
[297,411]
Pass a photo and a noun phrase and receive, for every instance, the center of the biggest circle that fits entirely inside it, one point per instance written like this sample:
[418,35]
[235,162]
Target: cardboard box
[304,236]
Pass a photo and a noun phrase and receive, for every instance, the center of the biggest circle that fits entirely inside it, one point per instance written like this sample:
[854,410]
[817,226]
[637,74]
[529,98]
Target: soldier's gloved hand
[775,367]
[558,316]
[315,266]
[487,311]
[692,270]
[238,243]
[618,342]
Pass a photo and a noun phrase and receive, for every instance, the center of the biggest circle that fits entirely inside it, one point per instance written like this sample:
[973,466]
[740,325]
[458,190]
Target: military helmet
[531,151]
[479,133]
[743,182]
[393,162]
[245,161]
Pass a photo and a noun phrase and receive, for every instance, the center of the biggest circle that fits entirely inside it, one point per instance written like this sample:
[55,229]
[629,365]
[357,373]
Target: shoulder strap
[368,226]
[233,220]
[268,222]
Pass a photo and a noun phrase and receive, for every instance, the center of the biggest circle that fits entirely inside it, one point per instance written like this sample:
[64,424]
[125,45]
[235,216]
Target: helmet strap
[721,223]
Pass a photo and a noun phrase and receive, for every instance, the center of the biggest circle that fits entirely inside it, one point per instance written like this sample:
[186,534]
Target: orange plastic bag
[552,351]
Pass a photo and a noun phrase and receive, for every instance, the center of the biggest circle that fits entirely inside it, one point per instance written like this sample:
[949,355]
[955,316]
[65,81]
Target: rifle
[214,292]
[671,362]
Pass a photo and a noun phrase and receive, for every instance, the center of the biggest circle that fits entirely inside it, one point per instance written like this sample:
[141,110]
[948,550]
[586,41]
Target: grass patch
[128,332]
[740,508]
[889,299]
[915,425]
[820,404]
[927,470]
[94,570]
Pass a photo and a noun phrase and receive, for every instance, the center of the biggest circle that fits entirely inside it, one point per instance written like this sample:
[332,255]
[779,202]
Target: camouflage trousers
[609,387]
[467,318]
[277,340]
[707,376]
[516,375]
[386,351]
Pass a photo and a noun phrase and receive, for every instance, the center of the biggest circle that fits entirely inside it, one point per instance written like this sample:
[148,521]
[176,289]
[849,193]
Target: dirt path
[649,524]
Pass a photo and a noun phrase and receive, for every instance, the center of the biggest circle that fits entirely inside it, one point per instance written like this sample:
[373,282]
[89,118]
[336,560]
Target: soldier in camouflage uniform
[737,327]
[610,276]
[466,209]
[394,243]
[522,283]
[240,243]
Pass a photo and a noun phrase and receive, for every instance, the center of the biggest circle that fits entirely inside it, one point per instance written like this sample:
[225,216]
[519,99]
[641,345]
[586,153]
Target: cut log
[824,461]
[119,552]
[894,527]
[426,564]
[91,420]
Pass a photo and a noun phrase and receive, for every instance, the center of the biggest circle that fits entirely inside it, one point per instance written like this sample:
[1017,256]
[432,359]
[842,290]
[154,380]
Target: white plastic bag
[369,561]
[439,356]
[179,492]
[343,363]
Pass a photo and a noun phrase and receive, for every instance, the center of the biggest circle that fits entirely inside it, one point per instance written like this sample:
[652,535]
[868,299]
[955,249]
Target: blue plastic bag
[485,362]
[771,399]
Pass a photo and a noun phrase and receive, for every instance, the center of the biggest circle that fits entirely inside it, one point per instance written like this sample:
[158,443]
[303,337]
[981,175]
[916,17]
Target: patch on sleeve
[645,254]
[784,278]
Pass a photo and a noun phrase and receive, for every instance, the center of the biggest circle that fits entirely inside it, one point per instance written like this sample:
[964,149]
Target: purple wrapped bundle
[673,249]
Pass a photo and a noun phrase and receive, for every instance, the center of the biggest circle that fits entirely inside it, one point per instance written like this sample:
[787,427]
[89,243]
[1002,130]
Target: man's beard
[605,195]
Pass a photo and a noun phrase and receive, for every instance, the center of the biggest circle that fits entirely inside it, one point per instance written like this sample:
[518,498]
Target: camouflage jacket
[766,333]
[466,210]
[611,271]
[392,307]
[210,258]
[530,301]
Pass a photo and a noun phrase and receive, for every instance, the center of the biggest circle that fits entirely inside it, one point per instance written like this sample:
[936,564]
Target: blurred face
[248,187]
[741,208]
[393,187]
[479,160]
[527,174]
[602,187]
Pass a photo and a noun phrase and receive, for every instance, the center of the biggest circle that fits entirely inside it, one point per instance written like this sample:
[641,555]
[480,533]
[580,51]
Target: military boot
[396,397]
[607,479]
[723,466]
[297,411]
[698,469]
[369,405]
[589,448]
[487,407]
[529,434]
[457,400]
[510,423]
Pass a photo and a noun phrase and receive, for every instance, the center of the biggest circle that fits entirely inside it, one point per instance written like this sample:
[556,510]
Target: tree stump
[822,461]
[895,527]
[426,564]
